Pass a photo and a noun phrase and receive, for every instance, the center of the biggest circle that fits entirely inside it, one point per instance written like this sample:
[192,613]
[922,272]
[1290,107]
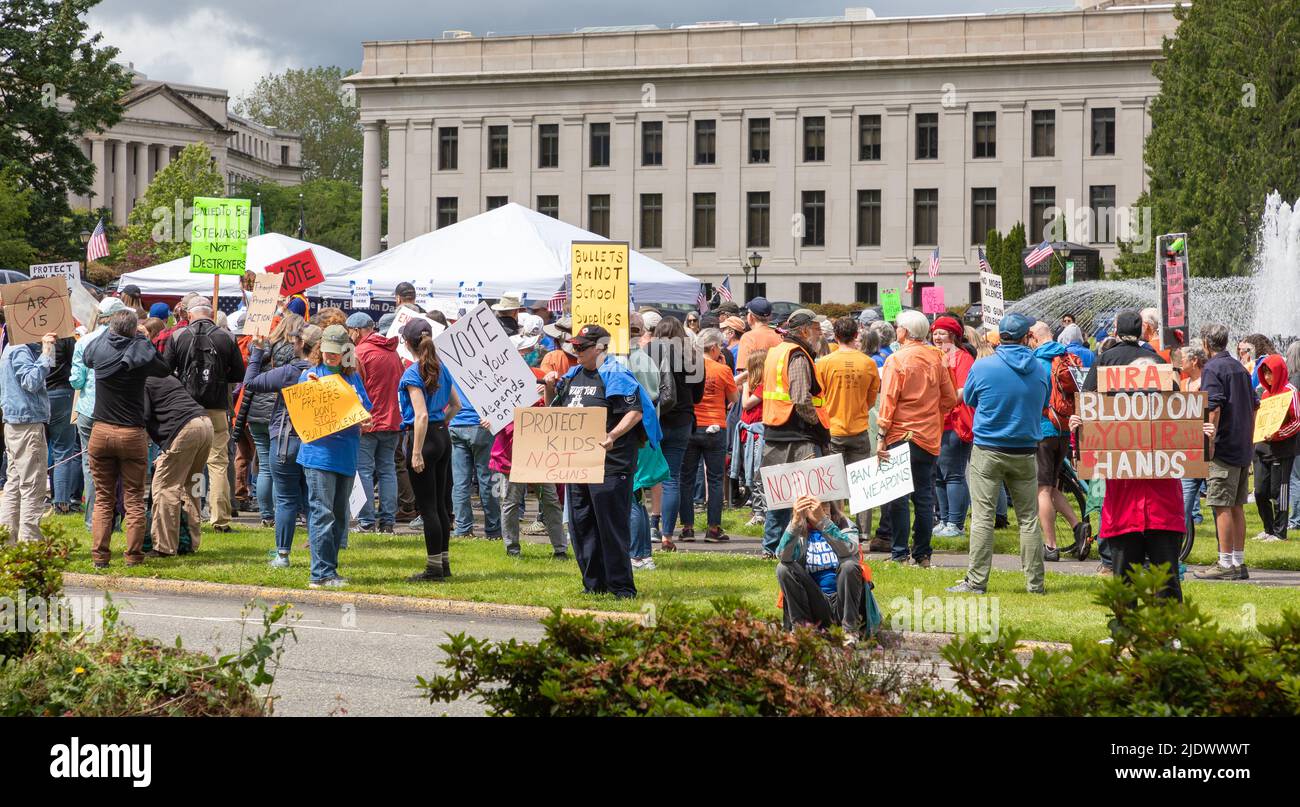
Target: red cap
[951,325]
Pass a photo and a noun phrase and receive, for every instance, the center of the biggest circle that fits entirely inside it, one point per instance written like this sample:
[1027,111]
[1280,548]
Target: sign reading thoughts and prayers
[873,483]
[932,300]
[34,308]
[601,294]
[219,237]
[991,298]
[324,406]
[1270,415]
[300,271]
[559,444]
[823,478]
[261,304]
[890,304]
[486,365]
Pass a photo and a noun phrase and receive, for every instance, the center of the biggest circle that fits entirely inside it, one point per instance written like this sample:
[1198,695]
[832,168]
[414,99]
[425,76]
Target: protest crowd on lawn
[145,420]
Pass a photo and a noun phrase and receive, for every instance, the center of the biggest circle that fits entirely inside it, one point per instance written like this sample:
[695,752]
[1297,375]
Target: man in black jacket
[187,351]
[183,432]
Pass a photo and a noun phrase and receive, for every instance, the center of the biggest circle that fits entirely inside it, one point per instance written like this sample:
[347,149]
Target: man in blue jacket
[1053,449]
[1008,391]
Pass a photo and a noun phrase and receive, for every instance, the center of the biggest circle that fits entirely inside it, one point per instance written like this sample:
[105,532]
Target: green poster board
[219,239]
[890,304]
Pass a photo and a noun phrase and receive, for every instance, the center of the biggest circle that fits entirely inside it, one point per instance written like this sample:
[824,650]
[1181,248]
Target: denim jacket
[23,396]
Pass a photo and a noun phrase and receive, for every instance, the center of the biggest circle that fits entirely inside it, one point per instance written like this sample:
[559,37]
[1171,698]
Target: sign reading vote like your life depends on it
[559,444]
[487,367]
[219,237]
[300,270]
[322,407]
[601,294]
[823,478]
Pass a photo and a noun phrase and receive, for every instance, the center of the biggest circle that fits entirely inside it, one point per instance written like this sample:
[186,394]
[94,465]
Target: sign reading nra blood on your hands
[1140,430]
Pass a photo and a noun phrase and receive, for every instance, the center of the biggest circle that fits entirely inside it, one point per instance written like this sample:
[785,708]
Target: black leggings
[432,486]
[1272,484]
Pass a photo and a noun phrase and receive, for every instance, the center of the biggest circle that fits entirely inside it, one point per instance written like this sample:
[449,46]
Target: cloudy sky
[232,43]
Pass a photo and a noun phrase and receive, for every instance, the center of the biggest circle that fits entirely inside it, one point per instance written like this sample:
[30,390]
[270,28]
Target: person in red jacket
[1275,454]
[958,437]
[381,371]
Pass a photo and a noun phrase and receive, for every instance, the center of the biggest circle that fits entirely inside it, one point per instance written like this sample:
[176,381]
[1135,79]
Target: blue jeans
[1191,497]
[774,524]
[639,535]
[290,493]
[260,434]
[1294,496]
[922,496]
[377,452]
[711,448]
[950,482]
[471,447]
[327,520]
[674,448]
[62,438]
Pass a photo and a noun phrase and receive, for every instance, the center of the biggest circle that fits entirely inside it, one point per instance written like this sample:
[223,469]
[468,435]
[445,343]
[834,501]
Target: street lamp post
[755,260]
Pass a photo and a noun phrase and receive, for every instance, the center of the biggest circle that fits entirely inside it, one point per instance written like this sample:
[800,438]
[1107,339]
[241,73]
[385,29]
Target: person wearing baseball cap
[1008,391]
[404,294]
[760,335]
[562,358]
[381,369]
[600,514]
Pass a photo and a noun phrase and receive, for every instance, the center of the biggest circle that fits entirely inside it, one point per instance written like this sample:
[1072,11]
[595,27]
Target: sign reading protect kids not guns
[601,294]
[559,444]
[219,237]
[320,408]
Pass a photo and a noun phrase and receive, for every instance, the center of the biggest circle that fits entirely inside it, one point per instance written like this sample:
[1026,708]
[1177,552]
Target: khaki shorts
[1227,485]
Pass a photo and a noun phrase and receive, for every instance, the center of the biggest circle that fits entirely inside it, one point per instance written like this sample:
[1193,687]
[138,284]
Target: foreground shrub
[727,663]
[30,571]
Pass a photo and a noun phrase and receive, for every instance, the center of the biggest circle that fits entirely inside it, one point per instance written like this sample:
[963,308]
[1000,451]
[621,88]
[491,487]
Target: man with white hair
[916,392]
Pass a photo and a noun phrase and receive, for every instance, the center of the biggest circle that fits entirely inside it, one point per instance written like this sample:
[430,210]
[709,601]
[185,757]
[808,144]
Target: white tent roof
[175,278]
[510,249]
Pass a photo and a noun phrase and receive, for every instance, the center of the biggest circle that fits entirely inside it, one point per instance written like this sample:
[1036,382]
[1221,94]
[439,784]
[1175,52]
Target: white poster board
[484,362]
[823,478]
[358,498]
[991,298]
[405,315]
[872,483]
[72,271]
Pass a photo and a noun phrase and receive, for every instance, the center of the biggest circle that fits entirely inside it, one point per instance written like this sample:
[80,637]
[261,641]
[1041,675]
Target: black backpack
[203,375]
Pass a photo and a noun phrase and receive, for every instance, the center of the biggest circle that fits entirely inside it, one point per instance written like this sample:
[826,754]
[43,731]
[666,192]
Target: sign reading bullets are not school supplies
[261,304]
[601,294]
[559,444]
[320,408]
[822,478]
[219,237]
[486,365]
[873,483]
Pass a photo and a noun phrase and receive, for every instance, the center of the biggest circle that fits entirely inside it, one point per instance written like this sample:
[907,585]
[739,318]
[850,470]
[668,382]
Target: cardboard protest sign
[300,271]
[601,294]
[823,478]
[219,237]
[1142,435]
[932,300]
[1135,377]
[491,373]
[559,444]
[34,308]
[991,298]
[890,304]
[261,304]
[320,408]
[873,483]
[72,271]
[1268,418]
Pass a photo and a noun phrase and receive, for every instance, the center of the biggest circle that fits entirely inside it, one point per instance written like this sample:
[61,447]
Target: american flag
[911,278]
[984,263]
[724,291]
[559,300]
[702,300]
[1041,253]
[97,246]
[934,263]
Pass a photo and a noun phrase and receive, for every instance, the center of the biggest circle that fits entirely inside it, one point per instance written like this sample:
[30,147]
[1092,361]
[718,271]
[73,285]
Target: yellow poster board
[320,408]
[601,291]
[1268,419]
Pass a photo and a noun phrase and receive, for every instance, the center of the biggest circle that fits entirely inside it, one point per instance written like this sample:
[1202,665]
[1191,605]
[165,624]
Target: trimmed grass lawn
[482,572]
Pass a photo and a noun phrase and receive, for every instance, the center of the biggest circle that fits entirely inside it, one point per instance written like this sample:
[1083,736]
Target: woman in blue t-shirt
[427,397]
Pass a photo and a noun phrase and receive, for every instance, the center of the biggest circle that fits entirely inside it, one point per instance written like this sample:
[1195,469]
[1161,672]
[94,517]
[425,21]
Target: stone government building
[838,149]
[161,118]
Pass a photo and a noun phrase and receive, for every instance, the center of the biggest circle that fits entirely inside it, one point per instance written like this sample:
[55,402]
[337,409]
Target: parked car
[12,276]
[781,311]
[974,316]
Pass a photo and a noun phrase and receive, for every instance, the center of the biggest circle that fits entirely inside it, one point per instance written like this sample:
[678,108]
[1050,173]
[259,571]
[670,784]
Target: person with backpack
[207,361]
[681,386]
[1054,447]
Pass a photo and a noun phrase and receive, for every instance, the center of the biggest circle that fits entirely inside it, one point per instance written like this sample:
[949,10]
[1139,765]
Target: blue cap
[360,319]
[297,306]
[160,310]
[386,321]
[759,307]
[1014,327]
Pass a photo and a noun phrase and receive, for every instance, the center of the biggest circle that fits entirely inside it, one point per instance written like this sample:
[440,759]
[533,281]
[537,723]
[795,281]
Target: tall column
[396,181]
[954,200]
[842,201]
[121,204]
[419,190]
[1012,153]
[785,202]
[370,189]
[522,159]
[99,183]
[896,198]
[729,211]
[1074,145]
[677,203]
[1129,136]
[141,170]
[626,201]
[164,157]
[573,199]
[472,165]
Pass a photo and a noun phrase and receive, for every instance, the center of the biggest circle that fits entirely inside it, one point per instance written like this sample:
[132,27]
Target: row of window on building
[984,145]
[869,224]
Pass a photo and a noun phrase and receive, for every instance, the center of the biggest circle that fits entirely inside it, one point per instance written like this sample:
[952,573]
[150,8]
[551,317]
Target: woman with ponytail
[427,397]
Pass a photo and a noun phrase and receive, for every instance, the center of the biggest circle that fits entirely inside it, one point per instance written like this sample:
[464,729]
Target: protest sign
[873,483]
[34,308]
[261,304]
[1135,377]
[491,373]
[405,315]
[1142,435]
[219,237]
[450,308]
[559,444]
[932,300]
[72,271]
[890,304]
[324,406]
[991,298]
[300,271]
[1270,415]
[361,297]
[601,294]
[823,478]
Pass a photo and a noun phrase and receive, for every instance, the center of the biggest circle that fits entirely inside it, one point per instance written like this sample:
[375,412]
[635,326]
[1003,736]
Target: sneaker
[1051,554]
[513,553]
[715,535]
[560,556]
[385,529]
[964,588]
[417,523]
[1263,536]
[220,528]
[333,582]
[656,535]
[99,565]
[1272,539]
[643,564]
[536,528]
[687,534]
[280,562]
[365,528]
[426,576]
[880,545]
[923,563]
[154,553]
[1105,571]
[1243,571]
[267,523]
[946,530]
[769,554]
[756,520]
[1217,572]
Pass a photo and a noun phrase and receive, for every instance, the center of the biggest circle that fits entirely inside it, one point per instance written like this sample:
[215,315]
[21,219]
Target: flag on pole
[559,300]
[934,263]
[724,291]
[97,246]
[302,220]
[1041,253]
[702,300]
[984,263]
[911,278]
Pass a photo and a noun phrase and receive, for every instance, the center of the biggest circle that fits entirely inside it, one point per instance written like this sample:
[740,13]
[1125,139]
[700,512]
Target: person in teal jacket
[330,465]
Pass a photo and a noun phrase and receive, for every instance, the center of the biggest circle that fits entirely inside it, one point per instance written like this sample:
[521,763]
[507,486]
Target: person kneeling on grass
[820,571]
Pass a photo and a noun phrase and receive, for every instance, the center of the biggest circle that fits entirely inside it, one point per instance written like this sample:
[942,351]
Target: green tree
[316,103]
[56,83]
[158,227]
[1013,267]
[331,211]
[1225,129]
[993,250]
[15,204]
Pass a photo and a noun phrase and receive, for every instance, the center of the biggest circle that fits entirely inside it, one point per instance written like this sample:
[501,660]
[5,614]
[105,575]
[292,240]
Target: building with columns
[838,149]
[161,118]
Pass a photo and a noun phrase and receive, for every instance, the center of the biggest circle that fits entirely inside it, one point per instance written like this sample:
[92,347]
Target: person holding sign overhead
[26,405]
[1275,454]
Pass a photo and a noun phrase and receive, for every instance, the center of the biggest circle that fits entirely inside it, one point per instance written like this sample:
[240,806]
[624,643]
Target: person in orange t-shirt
[562,359]
[709,441]
[850,384]
[760,335]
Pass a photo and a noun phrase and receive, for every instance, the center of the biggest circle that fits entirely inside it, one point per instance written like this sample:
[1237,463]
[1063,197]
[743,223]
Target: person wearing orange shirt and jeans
[850,384]
[916,393]
[760,335]
[709,441]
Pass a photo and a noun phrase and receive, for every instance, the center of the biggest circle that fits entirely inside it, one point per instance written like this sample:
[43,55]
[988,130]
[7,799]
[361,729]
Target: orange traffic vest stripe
[777,405]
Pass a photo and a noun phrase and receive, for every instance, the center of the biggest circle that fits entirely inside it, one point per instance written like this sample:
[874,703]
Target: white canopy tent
[511,249]
[174,278]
